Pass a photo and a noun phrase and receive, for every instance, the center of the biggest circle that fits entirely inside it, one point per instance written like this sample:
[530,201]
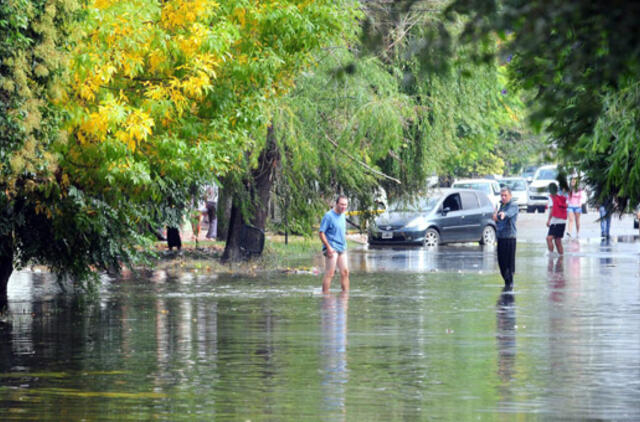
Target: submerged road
[423,335]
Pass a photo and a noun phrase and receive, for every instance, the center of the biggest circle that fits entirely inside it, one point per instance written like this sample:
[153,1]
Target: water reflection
[506,343]
[334,354]
[6,347]
[449,258]
[557,281]
[606,250]
[173,346]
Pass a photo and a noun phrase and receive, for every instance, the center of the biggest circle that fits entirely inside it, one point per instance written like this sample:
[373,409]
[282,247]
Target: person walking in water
[506,217]
[575,200]
[333,235]
[557,219]
[605,218]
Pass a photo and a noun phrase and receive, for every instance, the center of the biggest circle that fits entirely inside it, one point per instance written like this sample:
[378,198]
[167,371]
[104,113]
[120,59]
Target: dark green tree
[41,215]
[581,60]
[476,119]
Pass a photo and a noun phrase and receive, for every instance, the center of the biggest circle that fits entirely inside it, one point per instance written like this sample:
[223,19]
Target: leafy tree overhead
[609,159]
[468,111]
[33,34]
[336,128]
[357,122]
[582,59]
[178,89]
[154,99]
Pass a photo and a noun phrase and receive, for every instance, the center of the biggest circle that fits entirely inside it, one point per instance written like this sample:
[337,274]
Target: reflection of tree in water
[36,310]
[334,353]
[186,331]
[506,342]
[6,344]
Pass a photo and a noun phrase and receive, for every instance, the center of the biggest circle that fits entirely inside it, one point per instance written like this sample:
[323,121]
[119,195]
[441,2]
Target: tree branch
[372,170]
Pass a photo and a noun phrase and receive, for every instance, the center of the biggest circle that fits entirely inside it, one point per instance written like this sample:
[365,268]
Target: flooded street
[422,335]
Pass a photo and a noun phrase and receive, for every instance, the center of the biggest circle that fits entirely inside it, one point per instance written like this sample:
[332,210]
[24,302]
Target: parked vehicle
[519,190]
[446,216]
[539,188]
[528,173]
[488,186]
[432,181]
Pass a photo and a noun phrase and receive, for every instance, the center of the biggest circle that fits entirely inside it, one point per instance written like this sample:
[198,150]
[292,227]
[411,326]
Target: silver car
[519,190]
[489,186]
[445,216]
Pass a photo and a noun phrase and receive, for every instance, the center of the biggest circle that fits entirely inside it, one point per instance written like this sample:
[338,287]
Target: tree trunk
[225,202]
[6,268]
[258,186]
[234,235]
[263,178]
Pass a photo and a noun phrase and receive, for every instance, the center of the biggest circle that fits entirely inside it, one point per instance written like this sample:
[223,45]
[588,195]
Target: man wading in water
[505,218]
[332,232]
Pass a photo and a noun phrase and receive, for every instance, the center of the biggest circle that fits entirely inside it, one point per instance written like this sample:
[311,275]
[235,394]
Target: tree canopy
[178,90]
[357,121]
[33,36]
[115,112]
[581,59]
[150,100]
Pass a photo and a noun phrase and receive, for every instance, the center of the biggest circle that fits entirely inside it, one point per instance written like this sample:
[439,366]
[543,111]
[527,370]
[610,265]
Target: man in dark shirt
[505,218]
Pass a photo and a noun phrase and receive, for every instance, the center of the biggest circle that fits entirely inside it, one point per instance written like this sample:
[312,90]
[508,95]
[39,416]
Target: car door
[450,219]
[470,228]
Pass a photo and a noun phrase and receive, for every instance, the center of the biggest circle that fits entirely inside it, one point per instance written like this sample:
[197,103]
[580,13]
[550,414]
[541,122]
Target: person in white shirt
[211,198]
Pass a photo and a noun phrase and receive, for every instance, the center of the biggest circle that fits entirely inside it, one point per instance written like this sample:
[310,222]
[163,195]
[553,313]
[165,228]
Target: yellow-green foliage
[108,119]
[178,88]
[31,63]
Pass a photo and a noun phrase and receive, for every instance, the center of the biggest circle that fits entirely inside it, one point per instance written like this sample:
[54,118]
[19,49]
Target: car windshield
[515,184]
[547,174]
[420,204]
[484,187]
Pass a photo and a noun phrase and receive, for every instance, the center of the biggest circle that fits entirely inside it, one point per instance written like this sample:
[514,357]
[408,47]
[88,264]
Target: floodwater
[423,335]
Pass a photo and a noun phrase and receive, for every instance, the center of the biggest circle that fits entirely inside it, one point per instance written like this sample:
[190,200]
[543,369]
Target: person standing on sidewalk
[506,217]
[333,235]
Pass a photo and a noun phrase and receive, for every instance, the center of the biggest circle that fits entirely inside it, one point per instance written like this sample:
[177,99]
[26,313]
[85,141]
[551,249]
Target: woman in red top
[557,219]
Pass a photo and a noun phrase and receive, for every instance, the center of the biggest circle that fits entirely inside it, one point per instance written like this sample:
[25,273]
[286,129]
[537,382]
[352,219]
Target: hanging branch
[372,170]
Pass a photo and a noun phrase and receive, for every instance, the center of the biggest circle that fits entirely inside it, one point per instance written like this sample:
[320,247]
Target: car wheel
[488,236]
[431,238]
[530,209]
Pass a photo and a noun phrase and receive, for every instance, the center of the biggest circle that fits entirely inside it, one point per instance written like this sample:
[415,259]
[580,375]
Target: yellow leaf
[240,15]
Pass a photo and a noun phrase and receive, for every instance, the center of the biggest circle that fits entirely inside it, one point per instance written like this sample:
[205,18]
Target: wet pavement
[424,334]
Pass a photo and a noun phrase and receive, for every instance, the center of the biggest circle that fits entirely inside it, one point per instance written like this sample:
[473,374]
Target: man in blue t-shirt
[332,232]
